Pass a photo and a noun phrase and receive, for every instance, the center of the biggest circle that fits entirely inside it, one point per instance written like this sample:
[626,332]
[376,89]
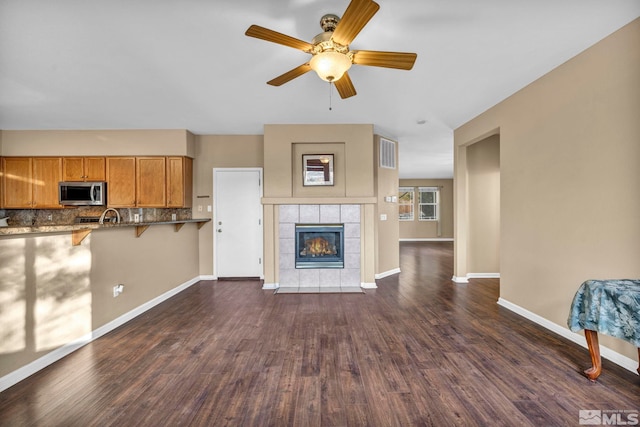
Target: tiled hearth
[310,280]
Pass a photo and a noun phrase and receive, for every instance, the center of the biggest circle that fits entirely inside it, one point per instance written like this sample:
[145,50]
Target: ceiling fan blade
[290,75]
[358,13]
[374,58]
[276,37]
[345,86]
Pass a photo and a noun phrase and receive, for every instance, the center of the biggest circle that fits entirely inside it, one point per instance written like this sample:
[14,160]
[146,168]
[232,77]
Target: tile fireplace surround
[319,279]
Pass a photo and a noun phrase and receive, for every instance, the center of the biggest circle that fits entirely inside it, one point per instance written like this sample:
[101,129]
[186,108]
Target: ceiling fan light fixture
[330,66]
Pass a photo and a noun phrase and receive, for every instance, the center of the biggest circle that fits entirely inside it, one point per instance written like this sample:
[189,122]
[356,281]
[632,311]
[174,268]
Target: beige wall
[97,142]
[218,151]
[53,293]
[387,231]
[569,179]
[483,168]
[429,229]
[279,157]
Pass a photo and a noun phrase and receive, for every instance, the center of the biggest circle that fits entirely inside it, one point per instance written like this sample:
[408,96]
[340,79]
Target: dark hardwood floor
[419,350]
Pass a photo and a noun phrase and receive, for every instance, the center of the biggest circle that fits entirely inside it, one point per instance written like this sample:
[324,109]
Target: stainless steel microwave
[82,193]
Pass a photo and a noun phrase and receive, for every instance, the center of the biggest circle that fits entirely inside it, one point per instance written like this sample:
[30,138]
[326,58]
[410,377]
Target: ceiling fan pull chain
[330,96]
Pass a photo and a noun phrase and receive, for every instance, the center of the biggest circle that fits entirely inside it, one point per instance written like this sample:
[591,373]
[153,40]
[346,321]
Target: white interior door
[238,222]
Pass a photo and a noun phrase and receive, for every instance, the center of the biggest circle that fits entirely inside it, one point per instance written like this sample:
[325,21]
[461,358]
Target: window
[428,203]
[405,203]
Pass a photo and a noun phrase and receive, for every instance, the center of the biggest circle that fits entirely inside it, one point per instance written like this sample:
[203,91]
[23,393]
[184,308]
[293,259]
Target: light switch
[383,217]
[208,208]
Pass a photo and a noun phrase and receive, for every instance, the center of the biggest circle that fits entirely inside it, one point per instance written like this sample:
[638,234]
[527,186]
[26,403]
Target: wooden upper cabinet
[151,178]
[179,182]
[84,169]
[95,169]
[121,182]
[152,181]
[31,182]
[46,173]
[16,183]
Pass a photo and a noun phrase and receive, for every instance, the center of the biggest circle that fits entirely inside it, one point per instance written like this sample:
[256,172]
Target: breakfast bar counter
[81,230]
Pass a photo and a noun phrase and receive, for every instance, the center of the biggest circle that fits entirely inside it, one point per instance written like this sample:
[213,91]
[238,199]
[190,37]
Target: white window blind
[428,200]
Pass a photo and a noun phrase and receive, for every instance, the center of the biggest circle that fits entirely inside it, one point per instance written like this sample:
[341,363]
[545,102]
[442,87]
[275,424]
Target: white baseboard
[465,279]
[364,285]
[270,285]
[387,273]
[57,354]
[429,239]
[208,277]
[607,353]
[483,275]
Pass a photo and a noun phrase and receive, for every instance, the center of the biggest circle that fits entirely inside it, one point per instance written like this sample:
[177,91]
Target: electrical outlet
[174,217]
[49,217]
[136,217]
[117,290]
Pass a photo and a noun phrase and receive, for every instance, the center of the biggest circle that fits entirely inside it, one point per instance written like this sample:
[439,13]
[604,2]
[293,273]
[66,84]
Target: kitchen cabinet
[151,179]
[121,182]
[83,169]
[143,181]
[179,182]
[46,173]
[31,182]
[16,183]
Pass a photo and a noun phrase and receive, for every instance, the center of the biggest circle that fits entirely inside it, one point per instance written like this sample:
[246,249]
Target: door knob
[219,230]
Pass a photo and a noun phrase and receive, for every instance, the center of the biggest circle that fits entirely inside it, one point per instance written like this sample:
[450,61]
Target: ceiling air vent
[387,154]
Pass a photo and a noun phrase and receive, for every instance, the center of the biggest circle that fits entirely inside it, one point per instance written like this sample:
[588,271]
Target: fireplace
[319,245]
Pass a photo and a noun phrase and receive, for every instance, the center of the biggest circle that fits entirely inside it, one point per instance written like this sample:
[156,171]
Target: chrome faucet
[104,214]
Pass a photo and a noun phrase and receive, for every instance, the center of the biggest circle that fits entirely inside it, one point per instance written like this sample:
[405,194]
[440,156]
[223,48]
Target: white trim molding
[465,279]
[26,371]
[483,275]
[271,286]
[365,285]
[429,239]
[208,277]
[386,273]
[607,353]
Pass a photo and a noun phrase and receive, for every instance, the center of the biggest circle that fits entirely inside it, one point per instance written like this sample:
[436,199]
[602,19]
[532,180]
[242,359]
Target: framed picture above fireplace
[317,169]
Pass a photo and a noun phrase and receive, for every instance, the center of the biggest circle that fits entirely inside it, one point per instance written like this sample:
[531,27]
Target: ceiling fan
[331,56]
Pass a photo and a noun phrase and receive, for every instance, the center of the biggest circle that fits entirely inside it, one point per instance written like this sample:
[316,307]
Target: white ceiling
[186,64]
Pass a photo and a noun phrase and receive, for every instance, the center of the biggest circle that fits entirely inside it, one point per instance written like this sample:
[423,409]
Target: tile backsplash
[38,217]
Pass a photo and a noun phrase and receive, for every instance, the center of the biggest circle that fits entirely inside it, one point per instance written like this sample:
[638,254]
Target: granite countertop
[53,228]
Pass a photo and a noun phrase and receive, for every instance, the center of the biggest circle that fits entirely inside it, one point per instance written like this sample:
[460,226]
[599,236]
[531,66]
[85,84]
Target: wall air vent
[387,154]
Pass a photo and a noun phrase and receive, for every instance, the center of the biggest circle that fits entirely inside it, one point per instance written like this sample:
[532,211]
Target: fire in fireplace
[319,245]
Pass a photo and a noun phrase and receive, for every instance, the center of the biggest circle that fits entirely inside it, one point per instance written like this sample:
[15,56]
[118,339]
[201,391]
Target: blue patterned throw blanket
[611,307]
